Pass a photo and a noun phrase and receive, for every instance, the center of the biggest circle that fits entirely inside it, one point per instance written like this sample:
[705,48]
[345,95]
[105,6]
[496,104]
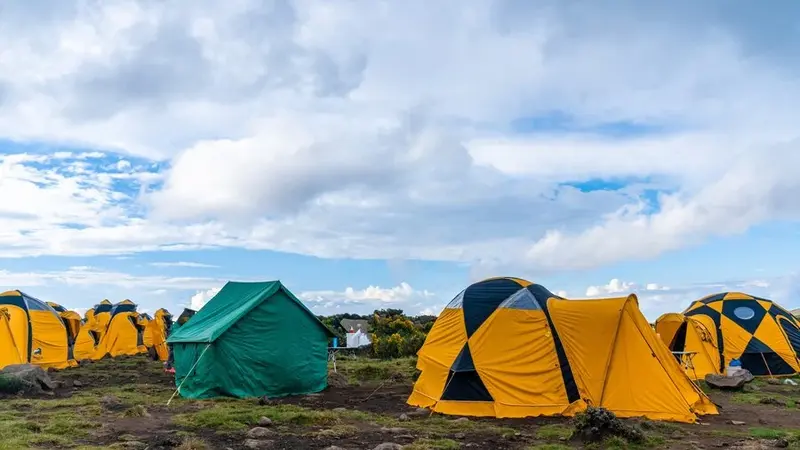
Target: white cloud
[370,298]
[200,299]
[373,131]
[183,264]
[615,286]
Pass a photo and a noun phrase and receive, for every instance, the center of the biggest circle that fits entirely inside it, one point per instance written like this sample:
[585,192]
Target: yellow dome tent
[39,335]
[756,331]
[696,335]
[505,347]
[125,334]
[95,323]
[156,332]
[72,322]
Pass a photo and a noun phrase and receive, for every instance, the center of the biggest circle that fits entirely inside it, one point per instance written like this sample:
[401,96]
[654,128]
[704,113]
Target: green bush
[10,385]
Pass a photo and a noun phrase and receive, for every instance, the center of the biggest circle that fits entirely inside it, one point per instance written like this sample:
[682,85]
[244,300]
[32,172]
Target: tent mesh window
[522,299]
[457,302]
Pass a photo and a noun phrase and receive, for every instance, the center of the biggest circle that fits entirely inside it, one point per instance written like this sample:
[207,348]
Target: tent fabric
[39,335]
[156,332]
[696,335]
[72,322]
[505,347]
[125,333]
[10,352]
[761,334]
[251,340]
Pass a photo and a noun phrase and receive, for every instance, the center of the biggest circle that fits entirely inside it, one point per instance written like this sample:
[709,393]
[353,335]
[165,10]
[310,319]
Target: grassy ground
[122,404]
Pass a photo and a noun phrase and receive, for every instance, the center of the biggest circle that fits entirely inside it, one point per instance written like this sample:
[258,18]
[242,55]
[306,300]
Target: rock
[340,409]
[419,412]
[773,381]
[403,417]
[259,432]
[781,443]
[405,437]
[31,379]
[264,401]
[393,430]
[737,422]
[264,422]
[111,403]
[129,445]
[333,447]
[751,388]
[459,435]
[735,383]
[255,443]
[772,401]
[388,446]
[77,383]
[461,419]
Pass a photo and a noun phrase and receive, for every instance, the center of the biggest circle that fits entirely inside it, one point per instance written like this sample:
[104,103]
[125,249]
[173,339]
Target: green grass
[237,416]
[755,398]
[367,370]
[553,432]
[433,444]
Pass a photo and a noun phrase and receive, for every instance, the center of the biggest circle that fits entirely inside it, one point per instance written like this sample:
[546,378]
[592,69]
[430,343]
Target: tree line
[393,334]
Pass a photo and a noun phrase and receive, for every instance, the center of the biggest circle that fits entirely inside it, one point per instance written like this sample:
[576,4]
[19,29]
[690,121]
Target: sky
[388,154]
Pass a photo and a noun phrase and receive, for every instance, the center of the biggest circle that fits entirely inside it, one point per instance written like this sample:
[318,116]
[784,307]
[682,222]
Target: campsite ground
[122,404]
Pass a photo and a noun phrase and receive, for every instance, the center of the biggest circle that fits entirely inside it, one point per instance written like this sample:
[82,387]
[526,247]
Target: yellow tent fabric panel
[10,351]
[444,342]
[86,347]
[49,341]
[19,325]
[667,326]
[155,334]
[698,336]
[122,336]
[770,331]
[514,354]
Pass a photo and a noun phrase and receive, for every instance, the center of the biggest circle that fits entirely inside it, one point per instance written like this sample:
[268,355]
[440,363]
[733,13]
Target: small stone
[405,437]
[403,417]
[333,447]
[461,419]
[259,432]
[77,383]
[737,422]
[459,435]
[420,412]
[781,443]
[773,381]
[255,443]
[340,409]
[264,422]
[393,430]
[388,446]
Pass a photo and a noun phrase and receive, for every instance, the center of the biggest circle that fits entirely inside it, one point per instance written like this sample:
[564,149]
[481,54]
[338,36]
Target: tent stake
[187,375]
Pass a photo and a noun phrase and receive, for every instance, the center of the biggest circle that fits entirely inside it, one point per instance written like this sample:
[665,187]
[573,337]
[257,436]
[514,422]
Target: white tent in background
[357,332]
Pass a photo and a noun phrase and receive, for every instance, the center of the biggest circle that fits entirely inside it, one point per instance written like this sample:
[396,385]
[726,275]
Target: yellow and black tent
[505,347]
[156,332]
[125,333]
[695,339]
[95,324]
[756,331]
[72,322]
[38,334]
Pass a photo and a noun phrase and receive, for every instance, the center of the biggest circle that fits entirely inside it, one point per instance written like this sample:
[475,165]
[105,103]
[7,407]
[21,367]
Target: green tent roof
[231,303]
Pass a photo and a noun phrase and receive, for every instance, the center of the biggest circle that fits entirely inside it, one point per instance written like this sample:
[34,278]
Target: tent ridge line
[611,353]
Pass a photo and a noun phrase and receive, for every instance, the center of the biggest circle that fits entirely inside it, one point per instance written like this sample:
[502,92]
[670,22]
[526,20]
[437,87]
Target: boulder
[264,422]
[734,383]
[259,432]
[255,443]
[388,446]
[32,379]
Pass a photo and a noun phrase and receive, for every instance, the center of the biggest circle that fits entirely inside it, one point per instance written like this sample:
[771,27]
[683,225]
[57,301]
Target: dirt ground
[122,404]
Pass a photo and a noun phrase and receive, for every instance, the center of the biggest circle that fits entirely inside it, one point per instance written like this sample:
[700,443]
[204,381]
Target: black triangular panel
[463,362]
[754,362]
[466,386]
[756,346]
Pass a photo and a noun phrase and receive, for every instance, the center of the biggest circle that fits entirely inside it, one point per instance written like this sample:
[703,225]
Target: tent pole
[187,375]
[766,365]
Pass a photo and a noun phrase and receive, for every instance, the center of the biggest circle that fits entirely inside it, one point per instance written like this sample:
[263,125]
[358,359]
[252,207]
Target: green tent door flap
[259,340]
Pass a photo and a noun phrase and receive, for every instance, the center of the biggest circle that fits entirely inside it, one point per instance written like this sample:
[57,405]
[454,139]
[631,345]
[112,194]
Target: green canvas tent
[251,340]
